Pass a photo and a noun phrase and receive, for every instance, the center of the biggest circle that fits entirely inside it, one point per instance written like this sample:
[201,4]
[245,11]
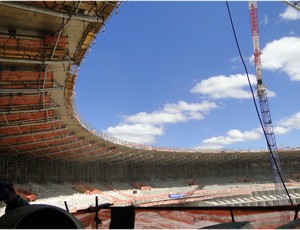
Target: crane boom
[282,197]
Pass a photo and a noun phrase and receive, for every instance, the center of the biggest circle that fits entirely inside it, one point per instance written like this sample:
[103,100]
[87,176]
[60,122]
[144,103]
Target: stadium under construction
[42,139]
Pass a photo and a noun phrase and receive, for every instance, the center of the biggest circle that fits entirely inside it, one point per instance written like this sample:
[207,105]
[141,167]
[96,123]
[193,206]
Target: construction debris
[25,194]
[85,189]
[140,186]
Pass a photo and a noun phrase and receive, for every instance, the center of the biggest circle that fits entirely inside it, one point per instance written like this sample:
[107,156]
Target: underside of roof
[42,43]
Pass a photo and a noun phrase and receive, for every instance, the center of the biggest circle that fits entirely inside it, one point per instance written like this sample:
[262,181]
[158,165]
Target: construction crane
[281,191]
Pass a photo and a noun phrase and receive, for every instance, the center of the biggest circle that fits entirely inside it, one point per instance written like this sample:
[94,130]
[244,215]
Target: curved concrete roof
[41,46]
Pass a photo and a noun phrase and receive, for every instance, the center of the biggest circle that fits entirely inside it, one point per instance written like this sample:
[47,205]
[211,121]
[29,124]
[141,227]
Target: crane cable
[255,104]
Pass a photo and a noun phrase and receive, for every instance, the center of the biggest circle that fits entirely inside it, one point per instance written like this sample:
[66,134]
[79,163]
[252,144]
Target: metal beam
[7,123]
[86,154]
[174,160]
[33,61]
[295,6]
[51,147]
[27,110]
[56,13]
[18,83]
[139,160]
[21,35]
[186,160]
[136,158]
[26,122]
[56,146]
[34,133]
[126,157]
[64,151]
[79,156]
[6,91]
[94,157]
[22,123]
[151,160]
[109,155]
[45,141]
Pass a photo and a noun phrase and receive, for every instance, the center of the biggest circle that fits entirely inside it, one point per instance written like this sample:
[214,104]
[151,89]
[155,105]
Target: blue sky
[169,74]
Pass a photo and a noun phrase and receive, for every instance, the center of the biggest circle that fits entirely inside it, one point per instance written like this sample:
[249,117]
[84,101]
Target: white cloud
[236,59]
[156,118]
[284,126]
[279,130]
[266,20]
[144,127]
[283,55]
[287,124]
[290,14]
[220,86]
[181,106]
[138,133]
[231,137]
[173,113]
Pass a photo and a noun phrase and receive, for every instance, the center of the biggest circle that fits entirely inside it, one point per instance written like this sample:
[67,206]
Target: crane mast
[282,197]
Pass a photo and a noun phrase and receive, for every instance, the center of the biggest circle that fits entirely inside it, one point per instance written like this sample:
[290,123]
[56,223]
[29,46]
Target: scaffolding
[13,46]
